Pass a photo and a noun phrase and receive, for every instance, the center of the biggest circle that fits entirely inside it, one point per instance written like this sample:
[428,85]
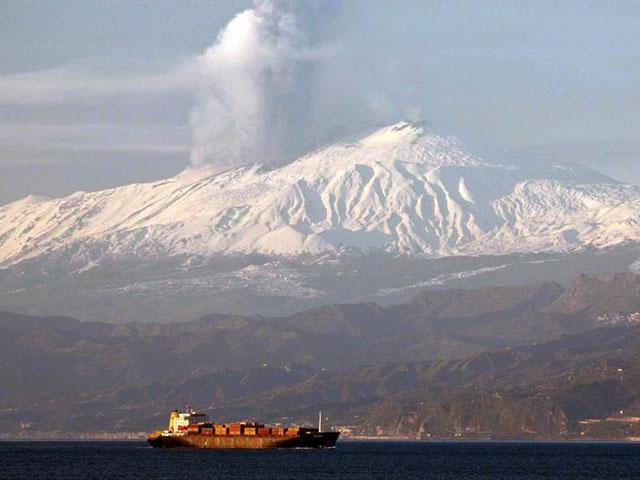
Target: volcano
[400,192]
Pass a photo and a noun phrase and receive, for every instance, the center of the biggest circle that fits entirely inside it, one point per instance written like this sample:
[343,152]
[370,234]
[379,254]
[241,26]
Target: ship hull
[311,440]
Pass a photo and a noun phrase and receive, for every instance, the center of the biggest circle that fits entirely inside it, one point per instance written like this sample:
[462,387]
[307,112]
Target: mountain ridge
[399,189]
[438,356]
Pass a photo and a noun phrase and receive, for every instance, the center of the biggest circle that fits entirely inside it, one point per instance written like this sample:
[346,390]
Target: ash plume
[255,104]
[276,84]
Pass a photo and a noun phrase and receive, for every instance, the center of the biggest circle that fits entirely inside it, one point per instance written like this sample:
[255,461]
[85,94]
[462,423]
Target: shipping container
[256,435]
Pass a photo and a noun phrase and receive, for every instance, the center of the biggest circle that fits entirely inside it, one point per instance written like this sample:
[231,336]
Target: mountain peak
[403,131]
[397,190]
[607,293]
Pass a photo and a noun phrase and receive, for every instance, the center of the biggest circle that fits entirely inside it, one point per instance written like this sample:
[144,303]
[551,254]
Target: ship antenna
[320,421]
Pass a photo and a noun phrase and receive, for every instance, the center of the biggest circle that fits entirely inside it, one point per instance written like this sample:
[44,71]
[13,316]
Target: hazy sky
[94,94]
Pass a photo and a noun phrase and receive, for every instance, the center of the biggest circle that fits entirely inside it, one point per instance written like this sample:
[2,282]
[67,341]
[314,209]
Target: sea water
[350,460]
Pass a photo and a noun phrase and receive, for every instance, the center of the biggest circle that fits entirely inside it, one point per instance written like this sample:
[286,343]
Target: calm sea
[350,460]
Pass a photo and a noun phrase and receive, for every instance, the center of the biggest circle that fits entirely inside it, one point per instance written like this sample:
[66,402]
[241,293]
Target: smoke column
[254,105]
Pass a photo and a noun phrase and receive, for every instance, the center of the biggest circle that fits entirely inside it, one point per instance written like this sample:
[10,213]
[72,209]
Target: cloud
[95,137]
[68,83]
[267,90]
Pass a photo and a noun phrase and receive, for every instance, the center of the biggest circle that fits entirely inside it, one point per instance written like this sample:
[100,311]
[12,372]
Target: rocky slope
[582,385]
[349,360]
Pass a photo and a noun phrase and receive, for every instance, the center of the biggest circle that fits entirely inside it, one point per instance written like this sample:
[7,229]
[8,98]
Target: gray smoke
[255,106]
[272,88]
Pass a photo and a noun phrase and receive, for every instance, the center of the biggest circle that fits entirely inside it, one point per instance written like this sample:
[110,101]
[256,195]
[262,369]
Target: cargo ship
[191,429]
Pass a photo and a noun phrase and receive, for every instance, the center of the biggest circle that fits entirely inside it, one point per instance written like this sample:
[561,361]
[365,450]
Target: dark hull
[310,440]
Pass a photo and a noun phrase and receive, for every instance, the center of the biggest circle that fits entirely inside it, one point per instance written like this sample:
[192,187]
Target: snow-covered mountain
[399,190]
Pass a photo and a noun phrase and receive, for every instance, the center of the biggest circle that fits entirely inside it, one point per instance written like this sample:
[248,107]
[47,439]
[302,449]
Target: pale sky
[95,94]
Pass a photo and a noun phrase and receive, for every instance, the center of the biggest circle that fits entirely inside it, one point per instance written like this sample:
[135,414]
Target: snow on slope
[398,189]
